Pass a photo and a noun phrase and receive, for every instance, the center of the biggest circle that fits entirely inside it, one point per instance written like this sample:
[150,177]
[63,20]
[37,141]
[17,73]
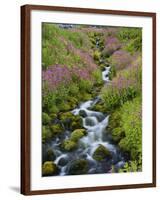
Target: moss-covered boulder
[101,153]
[68,145]
[46,134]
[53,116]
[46,119]
[76,123]
[56,129]
[50,155]
[78,167]
[49,168]
[77,134]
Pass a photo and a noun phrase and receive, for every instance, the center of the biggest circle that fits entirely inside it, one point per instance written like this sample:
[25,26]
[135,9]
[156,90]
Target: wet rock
[50,155]
[90,121]
[101,153]
[49,168]
[78,167]
[63,161]
[82,113]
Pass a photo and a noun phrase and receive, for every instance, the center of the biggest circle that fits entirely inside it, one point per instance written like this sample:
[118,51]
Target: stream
[95,124]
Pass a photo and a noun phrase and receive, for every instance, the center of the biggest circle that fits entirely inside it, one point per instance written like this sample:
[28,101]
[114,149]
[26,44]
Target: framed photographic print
[88,99]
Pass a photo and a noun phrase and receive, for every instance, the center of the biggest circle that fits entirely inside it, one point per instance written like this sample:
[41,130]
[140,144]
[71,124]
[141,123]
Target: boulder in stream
[101,153]
[78,167]
[49,168]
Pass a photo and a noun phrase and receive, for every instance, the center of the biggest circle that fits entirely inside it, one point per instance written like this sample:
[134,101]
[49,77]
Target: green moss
[46,134]
[77,134]
[49,168]
[45,119]
[69,145]
[125,125]
[101,153]
[78,167]
[118,134]
[56,129]
[96,55]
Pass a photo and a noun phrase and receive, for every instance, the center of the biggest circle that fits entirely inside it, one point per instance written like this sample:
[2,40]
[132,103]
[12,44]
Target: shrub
[120,59]
[132,38]
[112,44]
[97,75]
[125,125]
[125,86]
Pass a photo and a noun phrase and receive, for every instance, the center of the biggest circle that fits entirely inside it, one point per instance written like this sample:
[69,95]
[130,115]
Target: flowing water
[95,123]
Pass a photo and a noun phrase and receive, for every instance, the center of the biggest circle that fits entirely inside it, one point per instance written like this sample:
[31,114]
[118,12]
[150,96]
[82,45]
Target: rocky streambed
[84,147]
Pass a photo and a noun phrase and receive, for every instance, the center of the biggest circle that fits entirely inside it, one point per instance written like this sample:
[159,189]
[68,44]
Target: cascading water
[95,124]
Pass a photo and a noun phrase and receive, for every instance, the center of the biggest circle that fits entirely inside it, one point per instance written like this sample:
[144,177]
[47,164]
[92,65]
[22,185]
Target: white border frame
[61,182]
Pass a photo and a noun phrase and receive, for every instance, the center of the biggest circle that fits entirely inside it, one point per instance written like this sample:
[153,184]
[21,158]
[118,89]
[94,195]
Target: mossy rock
[101,153]
[46,134]
[76,123]
[56,129]
[49,168]
[99,108]
[117,134]
[50,155]
[77,134]
[78,167]
[68,145]
[46,119]
[66,117]
[71,121]
[53,116]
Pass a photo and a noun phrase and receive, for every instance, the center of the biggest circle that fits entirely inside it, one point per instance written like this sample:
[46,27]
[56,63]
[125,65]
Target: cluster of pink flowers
[121,59]
[112,44]
[58,75]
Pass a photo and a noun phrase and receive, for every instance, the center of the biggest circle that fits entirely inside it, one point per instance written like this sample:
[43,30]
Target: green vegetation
[125,125]
[56,49]
[132,38]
